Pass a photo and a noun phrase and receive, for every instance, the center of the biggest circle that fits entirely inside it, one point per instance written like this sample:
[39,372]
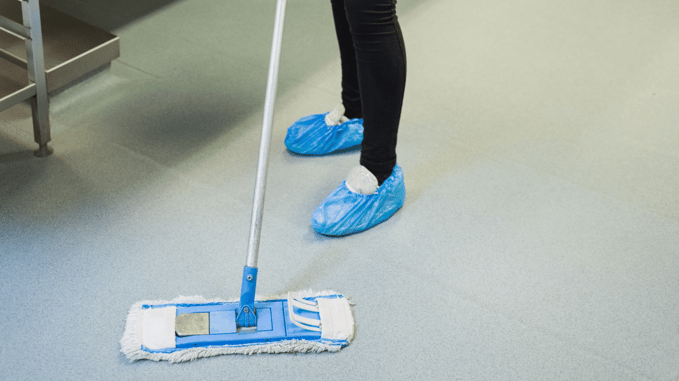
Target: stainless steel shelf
[73,49]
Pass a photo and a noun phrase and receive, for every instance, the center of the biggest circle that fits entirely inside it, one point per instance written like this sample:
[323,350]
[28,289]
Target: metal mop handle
[246,316]
[260,185]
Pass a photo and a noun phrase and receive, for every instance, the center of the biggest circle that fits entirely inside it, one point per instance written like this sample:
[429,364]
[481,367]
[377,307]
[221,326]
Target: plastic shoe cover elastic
[312,135]
[345,212]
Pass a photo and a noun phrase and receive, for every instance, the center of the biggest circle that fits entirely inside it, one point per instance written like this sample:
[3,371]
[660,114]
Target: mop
[188,328]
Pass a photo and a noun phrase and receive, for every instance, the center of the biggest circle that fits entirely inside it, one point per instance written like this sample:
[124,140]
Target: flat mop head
[188,328]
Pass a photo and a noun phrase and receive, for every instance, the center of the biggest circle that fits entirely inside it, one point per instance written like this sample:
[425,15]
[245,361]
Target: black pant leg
[381,64]
[351,95]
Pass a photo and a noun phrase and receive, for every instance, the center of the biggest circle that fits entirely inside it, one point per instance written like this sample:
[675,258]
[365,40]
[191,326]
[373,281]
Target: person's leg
[381,64]
[362,201]
[351,95]
[341,128]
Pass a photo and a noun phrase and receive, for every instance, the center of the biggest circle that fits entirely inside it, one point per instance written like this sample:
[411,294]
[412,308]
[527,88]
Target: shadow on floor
[108,15]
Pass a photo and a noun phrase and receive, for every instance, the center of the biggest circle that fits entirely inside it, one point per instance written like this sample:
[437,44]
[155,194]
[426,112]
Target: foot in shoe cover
[347,211]
[322,134]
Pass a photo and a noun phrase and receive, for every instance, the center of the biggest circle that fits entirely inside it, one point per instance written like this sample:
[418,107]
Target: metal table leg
[36,74]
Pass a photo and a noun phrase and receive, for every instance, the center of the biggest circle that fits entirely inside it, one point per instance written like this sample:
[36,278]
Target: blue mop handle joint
[247,314]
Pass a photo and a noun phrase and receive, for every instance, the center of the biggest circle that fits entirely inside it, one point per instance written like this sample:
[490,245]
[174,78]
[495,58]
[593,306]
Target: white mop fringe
[130,344]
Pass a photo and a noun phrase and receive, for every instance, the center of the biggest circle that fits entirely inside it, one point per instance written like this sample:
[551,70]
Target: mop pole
[247,318]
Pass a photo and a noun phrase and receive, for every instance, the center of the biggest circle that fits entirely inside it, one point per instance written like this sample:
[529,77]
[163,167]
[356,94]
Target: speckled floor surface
[539,239]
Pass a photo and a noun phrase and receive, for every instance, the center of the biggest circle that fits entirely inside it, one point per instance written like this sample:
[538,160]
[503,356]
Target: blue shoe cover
[311,135]
[344,212]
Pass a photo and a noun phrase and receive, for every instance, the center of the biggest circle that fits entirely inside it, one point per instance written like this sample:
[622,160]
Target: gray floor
[539,239]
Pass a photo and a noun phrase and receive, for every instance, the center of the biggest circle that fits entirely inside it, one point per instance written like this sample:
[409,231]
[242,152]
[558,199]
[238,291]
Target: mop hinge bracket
[246,320]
